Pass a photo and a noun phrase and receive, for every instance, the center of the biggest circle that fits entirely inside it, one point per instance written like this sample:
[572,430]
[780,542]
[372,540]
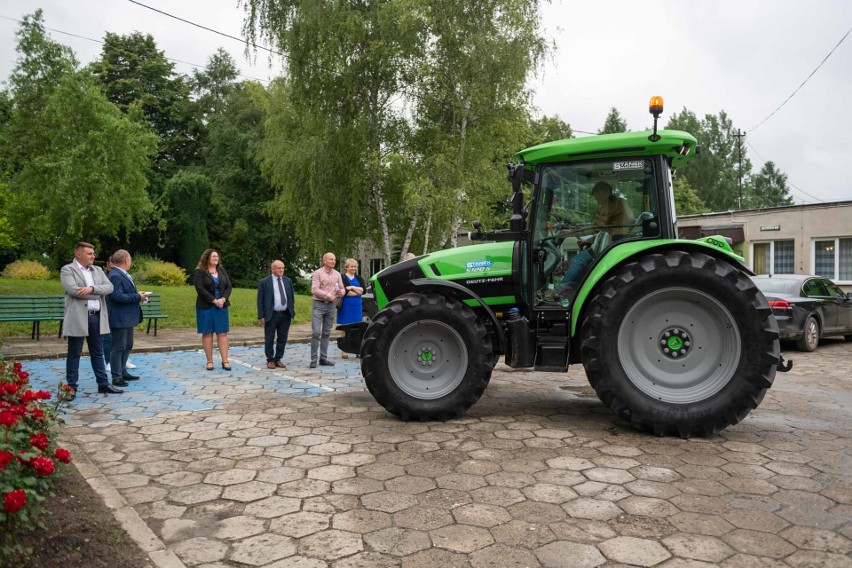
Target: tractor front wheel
[680,343]
[426,357]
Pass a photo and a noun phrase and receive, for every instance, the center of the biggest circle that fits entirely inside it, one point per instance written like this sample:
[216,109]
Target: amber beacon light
[656,108]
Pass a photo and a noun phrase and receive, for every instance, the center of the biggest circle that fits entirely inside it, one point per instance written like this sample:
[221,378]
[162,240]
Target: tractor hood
[485,269]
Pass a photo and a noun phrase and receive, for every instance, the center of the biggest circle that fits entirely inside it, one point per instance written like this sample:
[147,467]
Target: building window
[833,259]
[376,265]
[773,257]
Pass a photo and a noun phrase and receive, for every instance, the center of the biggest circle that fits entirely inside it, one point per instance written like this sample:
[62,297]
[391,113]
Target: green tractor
[674,336]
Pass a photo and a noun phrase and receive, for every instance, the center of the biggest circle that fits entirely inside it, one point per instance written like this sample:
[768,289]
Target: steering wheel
[552,254]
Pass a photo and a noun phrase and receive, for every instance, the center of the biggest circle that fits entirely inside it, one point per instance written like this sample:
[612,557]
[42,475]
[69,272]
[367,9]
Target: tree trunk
[407,242]
[426,233]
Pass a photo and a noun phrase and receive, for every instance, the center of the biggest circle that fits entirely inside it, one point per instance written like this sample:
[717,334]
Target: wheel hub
[675,343]
[426,356]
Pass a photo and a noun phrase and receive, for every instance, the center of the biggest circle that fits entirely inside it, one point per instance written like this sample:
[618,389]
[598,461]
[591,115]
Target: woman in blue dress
[352,309]
[211,307]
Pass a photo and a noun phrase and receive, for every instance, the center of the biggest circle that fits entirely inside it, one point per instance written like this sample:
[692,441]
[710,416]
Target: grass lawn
[178,304]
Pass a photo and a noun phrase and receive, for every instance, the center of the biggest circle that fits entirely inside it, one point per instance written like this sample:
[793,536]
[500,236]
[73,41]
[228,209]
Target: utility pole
[740,135]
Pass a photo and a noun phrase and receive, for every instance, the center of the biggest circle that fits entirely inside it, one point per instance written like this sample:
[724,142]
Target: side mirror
[477,225]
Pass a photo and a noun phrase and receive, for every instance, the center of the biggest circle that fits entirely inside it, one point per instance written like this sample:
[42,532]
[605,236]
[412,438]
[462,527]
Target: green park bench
[153,311]
[34,308]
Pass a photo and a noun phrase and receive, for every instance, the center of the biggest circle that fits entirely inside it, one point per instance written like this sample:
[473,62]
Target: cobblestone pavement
[301,468]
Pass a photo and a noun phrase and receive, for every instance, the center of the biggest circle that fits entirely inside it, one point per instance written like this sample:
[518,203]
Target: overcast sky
[744,57]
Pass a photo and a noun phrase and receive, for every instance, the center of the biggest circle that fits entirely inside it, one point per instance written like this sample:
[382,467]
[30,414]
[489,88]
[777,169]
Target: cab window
[582,209]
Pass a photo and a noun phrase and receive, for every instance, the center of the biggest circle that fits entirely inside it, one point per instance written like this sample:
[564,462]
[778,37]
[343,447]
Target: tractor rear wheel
[426,357]
[680,343]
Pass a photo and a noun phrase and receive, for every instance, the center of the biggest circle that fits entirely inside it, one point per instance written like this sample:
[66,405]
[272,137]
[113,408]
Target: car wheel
[810,337]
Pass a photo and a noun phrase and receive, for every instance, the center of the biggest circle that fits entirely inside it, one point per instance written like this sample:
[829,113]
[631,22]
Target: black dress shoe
[313,365]
[130,377]
[104,389]
[326,363]
[120,383]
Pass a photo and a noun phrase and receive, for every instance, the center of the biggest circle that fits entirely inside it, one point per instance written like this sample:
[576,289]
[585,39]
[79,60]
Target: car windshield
[778,286]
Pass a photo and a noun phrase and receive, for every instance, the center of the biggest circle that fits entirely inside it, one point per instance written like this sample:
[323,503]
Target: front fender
[449,288]
[712,246]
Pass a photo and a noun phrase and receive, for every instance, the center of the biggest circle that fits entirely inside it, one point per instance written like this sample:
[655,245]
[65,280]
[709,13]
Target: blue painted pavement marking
[178,382]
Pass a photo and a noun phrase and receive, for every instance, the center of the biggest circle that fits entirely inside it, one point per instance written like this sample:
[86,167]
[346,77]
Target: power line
[195,65]
[223,34]
[791,184]
[803,82]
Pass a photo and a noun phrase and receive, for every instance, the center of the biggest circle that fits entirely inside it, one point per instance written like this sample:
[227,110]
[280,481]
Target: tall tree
[715,173]
[768,188]
[471,108]
[243,223]
[188,195]
[78,163]
[548,129]
[132,70]
[336,123]
[686,198]
[614,123]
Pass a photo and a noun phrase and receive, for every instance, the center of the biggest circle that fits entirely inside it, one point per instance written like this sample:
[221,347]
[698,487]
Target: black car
[807,308]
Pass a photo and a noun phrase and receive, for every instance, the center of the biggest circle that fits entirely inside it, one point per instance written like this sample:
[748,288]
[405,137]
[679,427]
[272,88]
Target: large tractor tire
[680,343]
[426,357]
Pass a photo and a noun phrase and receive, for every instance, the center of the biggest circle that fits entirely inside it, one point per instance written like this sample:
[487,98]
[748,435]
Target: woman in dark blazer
[211,307]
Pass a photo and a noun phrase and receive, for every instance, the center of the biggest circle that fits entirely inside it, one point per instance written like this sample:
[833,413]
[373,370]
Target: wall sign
[770,227]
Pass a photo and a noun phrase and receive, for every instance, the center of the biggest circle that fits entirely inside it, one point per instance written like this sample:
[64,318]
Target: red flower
[14,501]
[23,375]
[43,395]
[62,455]
[8,419]
[40,441]
[17,367]
[5,458]
[37,413]
[28,396]
[43,466]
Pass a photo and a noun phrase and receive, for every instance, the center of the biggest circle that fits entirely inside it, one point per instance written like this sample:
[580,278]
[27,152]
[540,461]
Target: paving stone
[698,547]
[756,520]
[180,478]
[235,528]
[272,507]
[817,539]
[481,515]
[230,477]
[200,550]
[388,501]
[422,518]
[634,551]
[298,525]
[817,559]
[303,488]
[562,553]
[461,538]
[758,543]
[500,556]
[523,534]
[195,494]
[585,508]
[177,529]
[331,472]
[262,549]
[331,544]
[361,521]
[435,557]
[567,462]
[398,542]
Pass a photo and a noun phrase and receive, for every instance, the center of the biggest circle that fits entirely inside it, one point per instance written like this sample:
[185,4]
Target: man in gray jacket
[86,288]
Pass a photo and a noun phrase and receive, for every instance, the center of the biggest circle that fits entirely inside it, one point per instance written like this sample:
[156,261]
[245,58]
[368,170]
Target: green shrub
[160,273]
[26,270]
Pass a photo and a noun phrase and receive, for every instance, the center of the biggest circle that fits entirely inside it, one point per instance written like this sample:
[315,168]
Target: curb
[136,528]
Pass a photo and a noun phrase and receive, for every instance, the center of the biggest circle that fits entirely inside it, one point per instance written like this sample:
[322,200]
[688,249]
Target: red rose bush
[29,454]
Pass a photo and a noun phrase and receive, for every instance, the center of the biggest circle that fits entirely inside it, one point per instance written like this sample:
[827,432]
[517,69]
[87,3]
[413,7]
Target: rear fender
[620,254]
[459,292]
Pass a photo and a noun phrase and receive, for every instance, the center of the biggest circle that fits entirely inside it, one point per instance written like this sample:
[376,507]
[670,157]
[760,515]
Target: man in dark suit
[124,315]
[275,310]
